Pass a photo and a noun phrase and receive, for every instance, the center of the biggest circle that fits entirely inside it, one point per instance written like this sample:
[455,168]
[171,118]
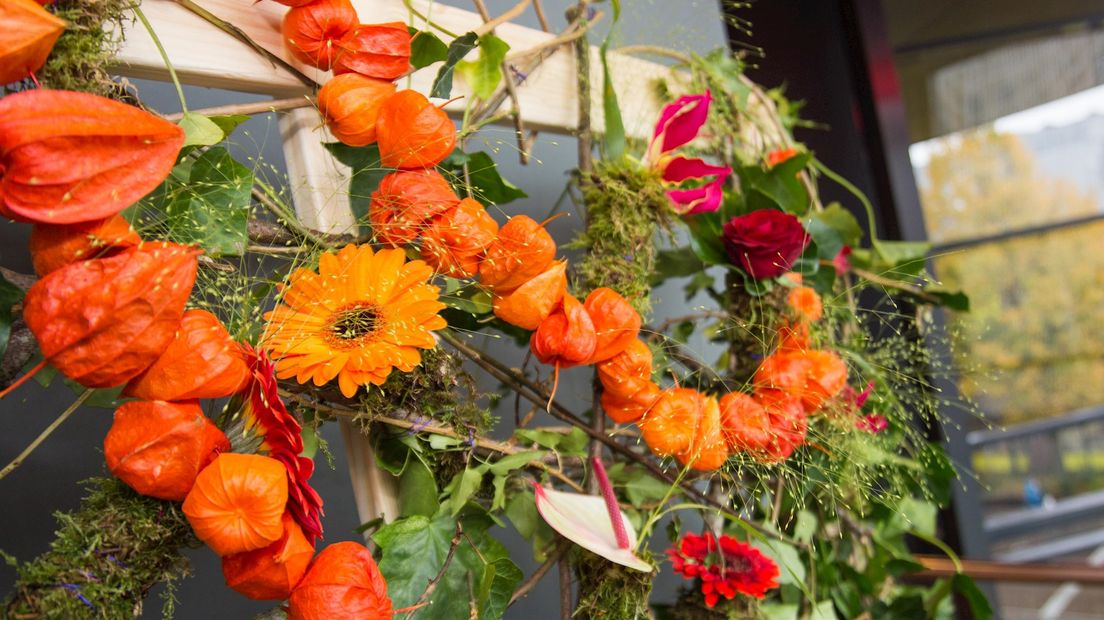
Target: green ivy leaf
[462,488]
[212,210]
[414,550]
[426,48]
[484,75]
[678,263]
[417,490]
[833,228]
[791,569]
[10,295]
[779,186]
[460,46]
[367,172]
[705,238]
[229,122]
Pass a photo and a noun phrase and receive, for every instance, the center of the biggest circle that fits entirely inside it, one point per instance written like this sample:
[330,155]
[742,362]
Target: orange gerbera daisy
[361,315]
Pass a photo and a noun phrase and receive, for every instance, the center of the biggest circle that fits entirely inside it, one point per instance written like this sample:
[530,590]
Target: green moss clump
[107,556]
[625,206]
[438,388]
[609,591]
[81,55]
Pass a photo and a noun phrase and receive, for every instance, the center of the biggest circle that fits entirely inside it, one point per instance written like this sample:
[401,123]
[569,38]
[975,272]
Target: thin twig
[582,75]
[539,574]
[707,314]
[564,568]
[17,461]
[256,107]
[540,15]
[432,585]
[539,396]
[491,24]
[653,50]
[511,90]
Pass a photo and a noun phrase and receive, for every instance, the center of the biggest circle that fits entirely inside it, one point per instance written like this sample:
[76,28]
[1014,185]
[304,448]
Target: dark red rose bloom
[765,242]
[725,569]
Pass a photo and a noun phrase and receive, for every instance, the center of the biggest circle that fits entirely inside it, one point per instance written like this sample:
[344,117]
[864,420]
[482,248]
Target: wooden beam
[206,56]
[985,570]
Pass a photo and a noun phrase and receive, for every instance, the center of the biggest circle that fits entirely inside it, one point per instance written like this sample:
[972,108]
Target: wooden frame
[204,55]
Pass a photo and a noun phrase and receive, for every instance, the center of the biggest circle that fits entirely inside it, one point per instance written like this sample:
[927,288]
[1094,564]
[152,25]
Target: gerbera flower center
[353,325]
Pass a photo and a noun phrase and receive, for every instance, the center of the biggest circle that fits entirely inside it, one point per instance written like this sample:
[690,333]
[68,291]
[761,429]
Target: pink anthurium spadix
[679,123]
[593,522]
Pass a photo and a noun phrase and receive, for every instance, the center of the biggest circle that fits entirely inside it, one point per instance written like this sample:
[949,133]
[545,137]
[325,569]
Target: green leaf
[955,300]
[641,487]
[484,75]
[460,46]
[310,442]
[573,442]
[426,48]
[824,610]
[779,185]
[975,598]
[611,110]
[462,488]
[705,238]
[919,515]
[779,611]
[790,567]
[200,130]
[10,295]
[212,210]
[229,122]
[487,185]
[367,171]
[899,259]
[414,550]
[678,263]
[805,526]
[417,490]
[509,463]
[833,228]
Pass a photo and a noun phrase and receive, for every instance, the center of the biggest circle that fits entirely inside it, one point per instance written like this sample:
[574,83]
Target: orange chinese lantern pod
[626,373]
[624,410]
[202,361]
[566,337]
[413,133]
[454,242]
[238,502]
[529,304]
[293,3]
[28,36]
[312,30]
[101,322]
[788,424]
[744,423]
[374,50]
[350,103]
[616,322]
[522,251]
[405,201]
[158,448]
[343,583]
[54,246]
[270,573]
[805,302]
[794,337]
[811,375]
[72,157]
[709,450]
[685,424]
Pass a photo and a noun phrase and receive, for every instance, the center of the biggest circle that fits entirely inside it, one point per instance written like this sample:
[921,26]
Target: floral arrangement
[789,475]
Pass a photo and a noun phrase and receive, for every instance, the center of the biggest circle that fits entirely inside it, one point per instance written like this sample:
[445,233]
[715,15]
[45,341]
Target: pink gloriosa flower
[679,123]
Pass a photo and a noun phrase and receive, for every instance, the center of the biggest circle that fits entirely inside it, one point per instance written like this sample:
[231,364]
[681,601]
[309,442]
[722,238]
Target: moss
[439,388]
[609,591]
[107,556]
[626,206]
[82,54]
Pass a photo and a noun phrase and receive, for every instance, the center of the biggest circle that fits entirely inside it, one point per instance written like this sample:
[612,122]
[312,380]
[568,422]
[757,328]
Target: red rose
[765,243]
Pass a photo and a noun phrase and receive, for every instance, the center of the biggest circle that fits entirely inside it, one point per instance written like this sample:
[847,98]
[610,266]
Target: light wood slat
[204,55]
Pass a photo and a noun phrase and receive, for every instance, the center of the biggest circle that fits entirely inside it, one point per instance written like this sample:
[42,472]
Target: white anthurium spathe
[587,521]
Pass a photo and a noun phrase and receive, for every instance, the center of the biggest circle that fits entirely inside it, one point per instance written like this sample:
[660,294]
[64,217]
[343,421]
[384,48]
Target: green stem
[845,184]
[942,546]
[164,56]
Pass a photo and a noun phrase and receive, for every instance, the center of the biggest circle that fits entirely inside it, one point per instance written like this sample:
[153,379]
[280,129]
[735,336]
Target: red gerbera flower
[726,569]
[264,419]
